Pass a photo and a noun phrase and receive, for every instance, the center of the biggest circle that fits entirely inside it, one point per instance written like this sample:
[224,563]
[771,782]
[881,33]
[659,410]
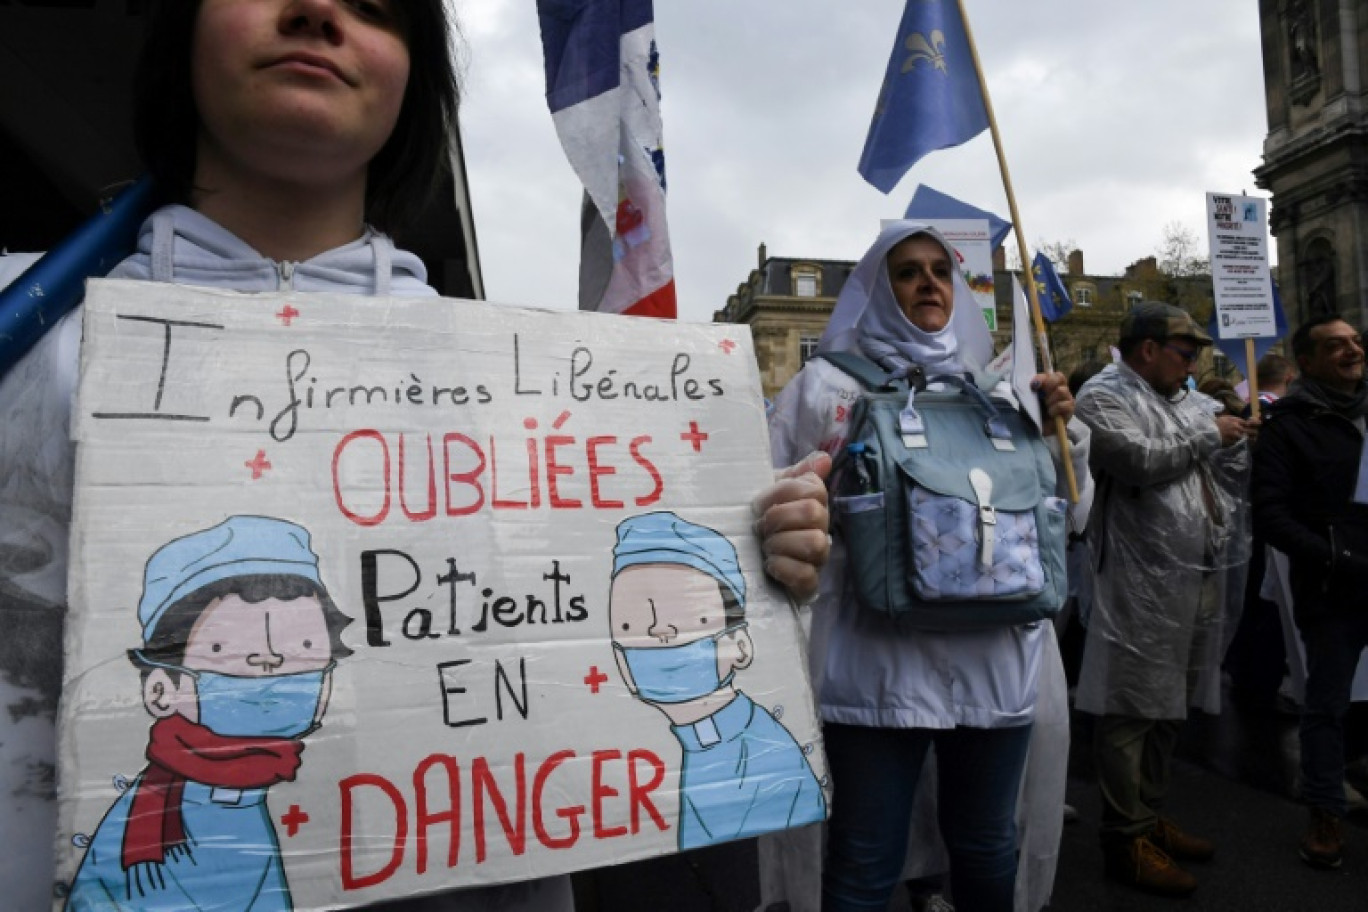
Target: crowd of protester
[1217,562]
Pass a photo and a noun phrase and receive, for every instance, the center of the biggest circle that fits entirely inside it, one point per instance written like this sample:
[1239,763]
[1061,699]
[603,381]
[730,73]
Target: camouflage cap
[1156,320]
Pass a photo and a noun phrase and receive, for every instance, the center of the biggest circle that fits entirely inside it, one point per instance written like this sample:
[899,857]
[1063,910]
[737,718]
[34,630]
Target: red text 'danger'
[385,826]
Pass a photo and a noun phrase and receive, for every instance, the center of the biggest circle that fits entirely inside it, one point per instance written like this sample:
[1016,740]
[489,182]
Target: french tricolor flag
[602,85]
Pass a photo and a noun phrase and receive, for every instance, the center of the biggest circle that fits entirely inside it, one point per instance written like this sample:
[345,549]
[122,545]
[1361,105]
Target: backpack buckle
[911,425]
[982,483]
[999,433]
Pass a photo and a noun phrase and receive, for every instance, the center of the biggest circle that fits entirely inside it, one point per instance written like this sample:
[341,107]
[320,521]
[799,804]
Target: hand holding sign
[792,522]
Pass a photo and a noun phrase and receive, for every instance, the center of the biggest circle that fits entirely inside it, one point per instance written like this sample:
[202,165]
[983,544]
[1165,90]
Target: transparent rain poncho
[1169,519]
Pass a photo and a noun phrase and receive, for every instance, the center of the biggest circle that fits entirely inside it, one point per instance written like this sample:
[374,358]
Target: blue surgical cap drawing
[239,639]
[677,612]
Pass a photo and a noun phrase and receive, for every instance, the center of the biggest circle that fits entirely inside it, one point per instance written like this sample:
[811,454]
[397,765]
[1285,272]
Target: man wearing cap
[1308,504]
[677,612]
[239,641]
[1168,475]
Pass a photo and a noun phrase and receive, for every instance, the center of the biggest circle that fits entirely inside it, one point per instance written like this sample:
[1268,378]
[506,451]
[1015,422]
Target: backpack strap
[870,375]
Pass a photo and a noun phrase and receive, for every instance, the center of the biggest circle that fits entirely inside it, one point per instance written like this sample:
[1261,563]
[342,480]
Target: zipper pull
[286,268]
[910,424]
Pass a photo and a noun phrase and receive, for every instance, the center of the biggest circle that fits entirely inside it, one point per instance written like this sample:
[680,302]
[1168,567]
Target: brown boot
[1324,840]
[1180,845]
[1143,865]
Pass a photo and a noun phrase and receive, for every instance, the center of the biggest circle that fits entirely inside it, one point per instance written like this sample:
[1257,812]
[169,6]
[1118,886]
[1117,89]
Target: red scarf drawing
[179,750]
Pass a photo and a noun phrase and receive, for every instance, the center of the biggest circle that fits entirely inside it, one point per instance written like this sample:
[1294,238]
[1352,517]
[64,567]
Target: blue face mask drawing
[274,706]
[674,674]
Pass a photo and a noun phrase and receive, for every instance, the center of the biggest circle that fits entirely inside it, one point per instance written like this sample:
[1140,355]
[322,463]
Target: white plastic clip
[910,424]
[982,484]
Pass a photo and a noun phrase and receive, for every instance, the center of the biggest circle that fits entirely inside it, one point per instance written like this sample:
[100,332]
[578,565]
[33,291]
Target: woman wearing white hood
[887,692]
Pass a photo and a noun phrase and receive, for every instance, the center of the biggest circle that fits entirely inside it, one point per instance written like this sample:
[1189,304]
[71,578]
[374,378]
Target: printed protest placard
[373,598]
[1237,229]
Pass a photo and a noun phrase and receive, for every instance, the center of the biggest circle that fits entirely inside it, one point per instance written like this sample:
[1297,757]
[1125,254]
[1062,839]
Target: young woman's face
[298,89]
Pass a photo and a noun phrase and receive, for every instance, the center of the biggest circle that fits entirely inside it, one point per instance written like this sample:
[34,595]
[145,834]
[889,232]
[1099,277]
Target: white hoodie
[175,244]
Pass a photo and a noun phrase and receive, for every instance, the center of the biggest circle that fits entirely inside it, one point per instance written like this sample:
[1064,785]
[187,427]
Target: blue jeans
[1333,645]
[874,774]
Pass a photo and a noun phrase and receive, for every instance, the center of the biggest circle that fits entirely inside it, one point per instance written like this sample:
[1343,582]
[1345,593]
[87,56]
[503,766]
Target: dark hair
[733,609]
[172,634]
[402,174]
[1303,346]
[1222,391]
[1272,368]
[1129,344]
[1083,373]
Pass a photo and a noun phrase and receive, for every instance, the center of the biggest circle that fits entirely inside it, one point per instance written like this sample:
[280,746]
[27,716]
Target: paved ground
[1233,782]
[1256,867]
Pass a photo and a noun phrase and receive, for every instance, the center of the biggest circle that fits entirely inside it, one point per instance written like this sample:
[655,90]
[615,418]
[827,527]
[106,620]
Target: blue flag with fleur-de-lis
[1054,297]
[930,97]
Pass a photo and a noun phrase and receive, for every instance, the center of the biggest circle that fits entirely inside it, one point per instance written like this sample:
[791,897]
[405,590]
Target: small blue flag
[1234,349]
[929,203]
[930,97]
[1054,297]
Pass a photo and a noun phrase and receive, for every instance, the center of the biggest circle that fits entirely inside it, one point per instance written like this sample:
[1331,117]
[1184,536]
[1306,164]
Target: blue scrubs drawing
[677,614]
[239,641]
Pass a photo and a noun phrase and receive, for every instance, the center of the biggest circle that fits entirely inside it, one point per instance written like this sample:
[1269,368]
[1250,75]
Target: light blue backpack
[945,502]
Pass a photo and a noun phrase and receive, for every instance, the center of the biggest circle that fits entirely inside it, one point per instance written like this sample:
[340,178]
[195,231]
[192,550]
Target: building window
[1133,298]
[807,347]
[1082,295]
[807,280]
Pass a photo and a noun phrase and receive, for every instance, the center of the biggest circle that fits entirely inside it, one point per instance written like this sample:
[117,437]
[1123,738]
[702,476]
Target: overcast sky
[1116,118]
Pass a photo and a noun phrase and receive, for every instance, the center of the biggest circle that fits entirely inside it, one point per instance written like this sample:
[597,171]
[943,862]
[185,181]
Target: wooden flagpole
[1042,340]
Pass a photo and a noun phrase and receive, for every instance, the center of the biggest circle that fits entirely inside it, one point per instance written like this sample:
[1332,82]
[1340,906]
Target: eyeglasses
[1189,355]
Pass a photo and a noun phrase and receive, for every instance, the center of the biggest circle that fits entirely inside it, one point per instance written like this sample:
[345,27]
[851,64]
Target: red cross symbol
[294,819]
[258,464]
[727,345]
[287,314]
[694,437]
[595,678]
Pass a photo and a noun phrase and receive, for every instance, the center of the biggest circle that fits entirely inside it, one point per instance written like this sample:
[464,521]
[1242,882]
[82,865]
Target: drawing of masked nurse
[677,609]
[239,640]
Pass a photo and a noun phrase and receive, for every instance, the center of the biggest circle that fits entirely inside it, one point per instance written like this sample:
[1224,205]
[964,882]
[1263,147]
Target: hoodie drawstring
[384,261]
[163,245]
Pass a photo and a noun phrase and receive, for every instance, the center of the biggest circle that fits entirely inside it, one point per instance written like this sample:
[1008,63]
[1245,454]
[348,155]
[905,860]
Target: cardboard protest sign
[372,598]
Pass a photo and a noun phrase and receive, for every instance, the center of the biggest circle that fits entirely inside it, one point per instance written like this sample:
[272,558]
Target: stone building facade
[1315,161]
[787,302]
